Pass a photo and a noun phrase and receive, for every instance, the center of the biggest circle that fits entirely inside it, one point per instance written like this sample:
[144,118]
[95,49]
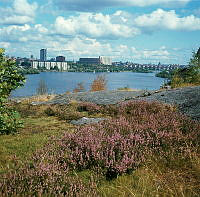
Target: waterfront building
[105,60]
[43,54]
[89,61]
[96,61]
[60,59]
[61,66]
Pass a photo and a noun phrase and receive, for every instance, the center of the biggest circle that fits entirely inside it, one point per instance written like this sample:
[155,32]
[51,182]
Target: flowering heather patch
[137,131]
[45,176]
[120,145]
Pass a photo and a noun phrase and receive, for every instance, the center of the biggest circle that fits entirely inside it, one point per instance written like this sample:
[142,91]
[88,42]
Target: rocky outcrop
[86,120]
[101,97]
[187,99]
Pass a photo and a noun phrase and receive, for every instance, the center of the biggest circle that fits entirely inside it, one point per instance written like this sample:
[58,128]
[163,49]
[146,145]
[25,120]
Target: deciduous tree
[10,79]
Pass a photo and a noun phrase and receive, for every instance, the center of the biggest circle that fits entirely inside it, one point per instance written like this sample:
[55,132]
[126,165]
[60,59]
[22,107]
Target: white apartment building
[105,60]
[62,66]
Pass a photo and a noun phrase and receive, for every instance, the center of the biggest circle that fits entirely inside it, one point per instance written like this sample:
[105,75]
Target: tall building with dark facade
[43,54]
[100,60]
[60,59]
[89,61]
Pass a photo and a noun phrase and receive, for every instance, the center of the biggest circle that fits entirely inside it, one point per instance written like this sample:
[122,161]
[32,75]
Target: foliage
[26,71]
[42,88]
[150,139]
[91,108]
[79,88]
[122,144]
[195,60]
[9,121]
[63,112]
[10,79]
[99,84]
[165,74]
[188,76]
[44,175]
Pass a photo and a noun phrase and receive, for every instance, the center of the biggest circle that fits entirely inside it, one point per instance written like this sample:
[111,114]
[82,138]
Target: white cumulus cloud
[20,13]
[23,33]
[22,7]
[96,25]
[161,19]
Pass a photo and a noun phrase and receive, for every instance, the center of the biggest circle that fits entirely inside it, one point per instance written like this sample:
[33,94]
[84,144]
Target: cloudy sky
[143,31]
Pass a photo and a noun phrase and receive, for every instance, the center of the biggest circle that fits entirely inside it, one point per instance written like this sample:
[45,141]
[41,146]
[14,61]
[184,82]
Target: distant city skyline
[142,31]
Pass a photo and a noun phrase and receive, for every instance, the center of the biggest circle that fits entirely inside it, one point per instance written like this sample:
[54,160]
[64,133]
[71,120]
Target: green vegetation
[142,70]
[188,76]
[165,74]
[43,159]
[144,149]
[10,79]
[27,71]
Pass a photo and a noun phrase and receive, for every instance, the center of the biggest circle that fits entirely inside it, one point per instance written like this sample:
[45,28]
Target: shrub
[63,112]
[91,108]
[99,84]
[79,88]
[45,176]
[42,88]
[9,121]
[122,144]
[10,79]
[49,111]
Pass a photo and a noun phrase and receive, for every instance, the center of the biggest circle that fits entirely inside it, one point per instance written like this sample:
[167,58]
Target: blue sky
[143,31]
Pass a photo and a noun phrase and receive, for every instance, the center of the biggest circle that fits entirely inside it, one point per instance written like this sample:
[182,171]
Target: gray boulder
[85,120]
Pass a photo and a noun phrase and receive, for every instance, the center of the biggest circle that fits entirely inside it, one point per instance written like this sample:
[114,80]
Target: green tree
[10,79]
[190,75]
[195,60]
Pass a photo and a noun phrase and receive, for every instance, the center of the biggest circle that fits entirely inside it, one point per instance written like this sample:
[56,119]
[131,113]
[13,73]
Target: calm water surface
[60,82]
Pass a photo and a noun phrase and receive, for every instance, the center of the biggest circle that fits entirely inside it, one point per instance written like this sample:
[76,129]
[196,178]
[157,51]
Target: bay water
[61,82]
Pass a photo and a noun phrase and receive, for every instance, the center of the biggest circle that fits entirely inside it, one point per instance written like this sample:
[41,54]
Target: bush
[9,121]
[42,88]
[99,84]
[79,88]
[67,112]
[91,108]
[10,79]
[122,144]
[45,176]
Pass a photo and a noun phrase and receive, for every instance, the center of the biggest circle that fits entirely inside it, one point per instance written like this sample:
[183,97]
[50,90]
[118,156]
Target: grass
[127,89]
[34,135]
[175,175]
